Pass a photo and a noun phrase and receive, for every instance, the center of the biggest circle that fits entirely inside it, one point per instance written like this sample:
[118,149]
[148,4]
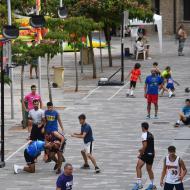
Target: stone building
[174,13]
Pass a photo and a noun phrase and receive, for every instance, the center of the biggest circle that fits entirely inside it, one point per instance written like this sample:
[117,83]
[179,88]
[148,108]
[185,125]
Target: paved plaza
[116,122]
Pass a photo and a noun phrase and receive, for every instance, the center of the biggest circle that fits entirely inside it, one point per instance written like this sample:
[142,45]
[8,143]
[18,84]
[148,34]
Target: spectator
[184,115]
[27,103]
[182,36]
[65,180]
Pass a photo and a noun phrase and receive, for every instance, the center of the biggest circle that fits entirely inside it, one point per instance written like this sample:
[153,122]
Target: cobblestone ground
[115,120]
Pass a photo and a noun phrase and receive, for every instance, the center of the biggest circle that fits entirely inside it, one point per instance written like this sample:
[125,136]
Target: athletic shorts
[133,84]
[88,147]
[168,186]
[152,98]
[148,159]
[28,158]
[36,133]
[187,121]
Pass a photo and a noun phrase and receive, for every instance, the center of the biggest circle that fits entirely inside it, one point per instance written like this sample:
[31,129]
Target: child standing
[135,74]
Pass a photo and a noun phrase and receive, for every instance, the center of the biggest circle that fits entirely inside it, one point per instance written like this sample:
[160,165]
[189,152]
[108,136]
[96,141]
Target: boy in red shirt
[135,74]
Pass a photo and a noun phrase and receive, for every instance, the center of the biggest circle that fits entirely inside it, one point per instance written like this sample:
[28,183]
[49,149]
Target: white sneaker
[16,168]
[170,94]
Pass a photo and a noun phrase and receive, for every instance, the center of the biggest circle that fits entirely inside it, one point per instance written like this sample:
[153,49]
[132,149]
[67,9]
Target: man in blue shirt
[52,118]
[65,180]
[87,136]
[32,151]
[184,115]
[151,87]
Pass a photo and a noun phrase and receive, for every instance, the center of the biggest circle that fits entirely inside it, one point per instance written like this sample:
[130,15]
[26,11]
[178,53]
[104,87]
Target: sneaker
[16,170]
[151,187]
[176,125]
[85,166]
[137,186]
[148,117]
[155,117]
[170,94]
[97,169]
[132,96]
[127,95]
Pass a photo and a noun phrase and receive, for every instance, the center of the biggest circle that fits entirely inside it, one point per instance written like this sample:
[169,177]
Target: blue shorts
[170,86]
[51,129]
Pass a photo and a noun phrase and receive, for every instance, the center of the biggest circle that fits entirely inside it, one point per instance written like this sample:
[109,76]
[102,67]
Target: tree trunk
[101,64]
[92,55]
[48,79]
[24,119]
[76,68]
[108,40]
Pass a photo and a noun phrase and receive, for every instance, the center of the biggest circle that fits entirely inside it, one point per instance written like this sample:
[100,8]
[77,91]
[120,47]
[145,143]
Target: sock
[128,91]
[139,181]
[152,181]
[131,92]
[178,121]
[21,167]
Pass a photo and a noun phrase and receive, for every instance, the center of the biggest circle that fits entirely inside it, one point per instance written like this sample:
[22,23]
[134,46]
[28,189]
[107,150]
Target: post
[11,75]
[174,13]
[100,40]
[2,162]
[122,47]
[38,3]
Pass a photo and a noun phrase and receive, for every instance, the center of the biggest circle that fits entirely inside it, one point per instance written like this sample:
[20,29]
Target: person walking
[87,135]
[174,171]
[65,180]
[27,103]
[182,36]
[134,75]
[146,156]
[151,87]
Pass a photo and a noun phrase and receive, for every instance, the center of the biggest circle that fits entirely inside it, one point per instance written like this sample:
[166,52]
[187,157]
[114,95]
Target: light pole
[9,32]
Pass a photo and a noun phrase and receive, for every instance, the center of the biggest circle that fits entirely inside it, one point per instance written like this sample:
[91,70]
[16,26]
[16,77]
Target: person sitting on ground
[184,115]
[134,74]
[31,153]
[52,119]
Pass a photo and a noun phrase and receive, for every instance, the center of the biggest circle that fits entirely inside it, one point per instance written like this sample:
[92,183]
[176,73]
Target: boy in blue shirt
[52,118]
[184,115]
[65,180]
[87,136]
[32,151]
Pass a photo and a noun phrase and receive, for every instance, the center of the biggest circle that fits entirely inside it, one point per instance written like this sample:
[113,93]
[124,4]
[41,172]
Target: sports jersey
[173,171]
[35,148]
[186,111]
[86,128]
[64,182]
[135,73]
[147,136]
[51,118]
[170,83]
[153,83]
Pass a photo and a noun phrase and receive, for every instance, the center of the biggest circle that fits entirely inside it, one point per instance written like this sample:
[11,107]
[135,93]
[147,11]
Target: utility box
[59,76]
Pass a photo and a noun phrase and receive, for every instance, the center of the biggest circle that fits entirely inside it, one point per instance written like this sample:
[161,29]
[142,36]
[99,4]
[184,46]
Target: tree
[109,12]
[76,28]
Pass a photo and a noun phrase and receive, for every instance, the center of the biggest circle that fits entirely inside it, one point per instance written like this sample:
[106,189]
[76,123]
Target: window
[186,9]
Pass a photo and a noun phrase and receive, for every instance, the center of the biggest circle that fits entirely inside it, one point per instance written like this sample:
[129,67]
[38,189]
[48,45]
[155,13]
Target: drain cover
[161,122]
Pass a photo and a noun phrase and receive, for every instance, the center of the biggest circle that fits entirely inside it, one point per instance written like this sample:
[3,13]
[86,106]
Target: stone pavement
[115,120]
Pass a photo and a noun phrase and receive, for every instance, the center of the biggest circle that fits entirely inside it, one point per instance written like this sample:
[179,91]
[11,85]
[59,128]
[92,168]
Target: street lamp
[9,32]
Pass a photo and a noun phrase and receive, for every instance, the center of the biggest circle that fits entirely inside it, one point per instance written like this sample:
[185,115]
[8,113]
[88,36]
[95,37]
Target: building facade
[174,13]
